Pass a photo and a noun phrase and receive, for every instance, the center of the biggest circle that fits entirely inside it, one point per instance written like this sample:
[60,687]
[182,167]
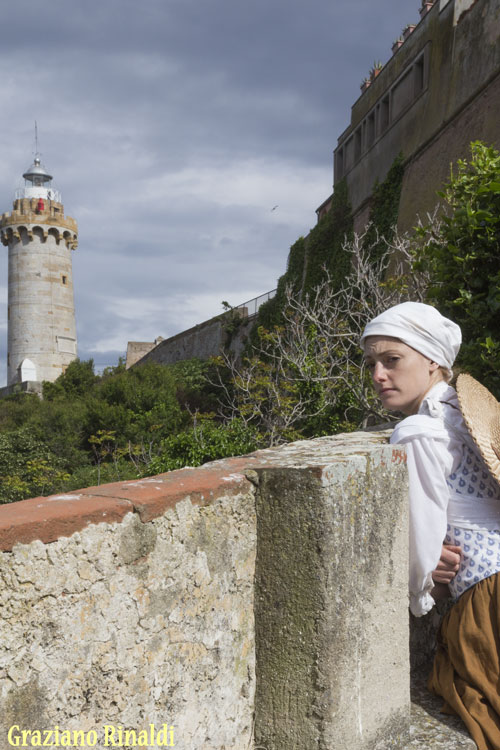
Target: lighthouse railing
[38,192]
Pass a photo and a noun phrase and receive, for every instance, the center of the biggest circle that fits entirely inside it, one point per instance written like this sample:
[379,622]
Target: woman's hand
[440,591]
[448,565]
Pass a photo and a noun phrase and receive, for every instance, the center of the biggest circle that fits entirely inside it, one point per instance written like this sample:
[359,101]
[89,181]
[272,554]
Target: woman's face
[401,375]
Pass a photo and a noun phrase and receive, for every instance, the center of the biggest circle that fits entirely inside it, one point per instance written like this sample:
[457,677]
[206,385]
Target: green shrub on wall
[325,243]
[269,314]
[309,256]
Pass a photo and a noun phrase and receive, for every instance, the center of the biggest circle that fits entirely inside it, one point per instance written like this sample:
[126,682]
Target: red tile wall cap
[152,496]
[48,518]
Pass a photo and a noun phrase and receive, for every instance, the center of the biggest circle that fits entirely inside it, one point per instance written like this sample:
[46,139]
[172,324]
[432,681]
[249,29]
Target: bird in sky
[274,208]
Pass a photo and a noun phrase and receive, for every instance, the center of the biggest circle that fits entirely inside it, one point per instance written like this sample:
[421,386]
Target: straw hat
[481,413]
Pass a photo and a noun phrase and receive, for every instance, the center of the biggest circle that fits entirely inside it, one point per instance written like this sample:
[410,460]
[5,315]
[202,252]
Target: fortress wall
[203,341]
[429,168]
[270,586]
[429,118]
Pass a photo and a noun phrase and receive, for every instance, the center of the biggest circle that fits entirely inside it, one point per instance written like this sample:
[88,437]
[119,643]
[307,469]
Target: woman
[454,499]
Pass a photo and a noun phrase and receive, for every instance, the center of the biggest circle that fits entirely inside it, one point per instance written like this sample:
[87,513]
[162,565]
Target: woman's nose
[378,373]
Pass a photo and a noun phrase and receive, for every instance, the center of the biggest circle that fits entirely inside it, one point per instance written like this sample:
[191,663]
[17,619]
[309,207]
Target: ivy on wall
[325,246]
[384,207]
[325,243]
[309,256]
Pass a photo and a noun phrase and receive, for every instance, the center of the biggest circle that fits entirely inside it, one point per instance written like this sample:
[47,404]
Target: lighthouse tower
[41,310]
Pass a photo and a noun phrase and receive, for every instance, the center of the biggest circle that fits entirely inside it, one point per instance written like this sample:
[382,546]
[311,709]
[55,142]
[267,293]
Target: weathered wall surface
[203,341]
[132,623]
[429,169]
[134,603]
[136,350]
[330,631]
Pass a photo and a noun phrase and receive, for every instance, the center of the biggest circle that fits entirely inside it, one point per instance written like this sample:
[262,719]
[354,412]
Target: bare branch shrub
[312,362]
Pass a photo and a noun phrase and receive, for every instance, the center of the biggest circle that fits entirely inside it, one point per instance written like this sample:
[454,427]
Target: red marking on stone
[398,456]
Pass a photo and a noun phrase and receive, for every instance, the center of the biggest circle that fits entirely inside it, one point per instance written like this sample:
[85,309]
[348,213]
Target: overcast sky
[172,128]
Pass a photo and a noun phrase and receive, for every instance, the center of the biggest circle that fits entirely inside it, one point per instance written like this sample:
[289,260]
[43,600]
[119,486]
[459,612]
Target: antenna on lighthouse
[37,153]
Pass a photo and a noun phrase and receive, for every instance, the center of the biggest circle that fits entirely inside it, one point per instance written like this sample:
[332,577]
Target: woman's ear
[433,366]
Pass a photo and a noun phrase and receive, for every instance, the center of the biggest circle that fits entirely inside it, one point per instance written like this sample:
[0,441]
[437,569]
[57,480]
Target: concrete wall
[267,588]
[136,350]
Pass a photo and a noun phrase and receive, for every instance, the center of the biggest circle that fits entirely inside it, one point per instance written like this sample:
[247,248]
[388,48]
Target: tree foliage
[461,253]
[205,441]
[27,466]
[90,429]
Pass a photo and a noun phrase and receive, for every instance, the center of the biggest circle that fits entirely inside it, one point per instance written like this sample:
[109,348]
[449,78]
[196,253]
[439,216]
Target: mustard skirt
[466,671]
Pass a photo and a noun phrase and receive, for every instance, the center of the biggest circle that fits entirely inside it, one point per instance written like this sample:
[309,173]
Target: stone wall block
[331,604]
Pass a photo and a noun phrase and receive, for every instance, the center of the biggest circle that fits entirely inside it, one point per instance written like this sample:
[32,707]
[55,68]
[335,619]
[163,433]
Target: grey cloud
[171,128]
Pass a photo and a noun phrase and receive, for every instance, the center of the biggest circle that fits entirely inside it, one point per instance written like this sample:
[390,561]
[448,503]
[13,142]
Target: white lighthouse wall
[41,306]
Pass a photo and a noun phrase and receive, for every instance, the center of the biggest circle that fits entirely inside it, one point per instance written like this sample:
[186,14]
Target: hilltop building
[439,91]
[41,311]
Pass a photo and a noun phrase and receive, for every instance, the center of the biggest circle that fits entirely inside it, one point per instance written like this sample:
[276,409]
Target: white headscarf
[420,326]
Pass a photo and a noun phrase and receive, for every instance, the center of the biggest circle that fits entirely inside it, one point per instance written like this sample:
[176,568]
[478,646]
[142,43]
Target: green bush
[89,429]
[463,259]
[205,442]
[27,466]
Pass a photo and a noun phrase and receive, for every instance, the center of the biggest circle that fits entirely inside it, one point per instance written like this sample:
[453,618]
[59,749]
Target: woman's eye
[393,360]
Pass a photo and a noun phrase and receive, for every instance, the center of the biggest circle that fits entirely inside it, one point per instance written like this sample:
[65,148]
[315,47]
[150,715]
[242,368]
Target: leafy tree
[462,255]
[77,379]
[90,429]
[27,467]
[134,404]
[104,446]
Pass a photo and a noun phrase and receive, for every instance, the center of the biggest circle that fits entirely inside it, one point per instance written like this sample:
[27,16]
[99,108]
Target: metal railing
[251,307]
[33,192]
